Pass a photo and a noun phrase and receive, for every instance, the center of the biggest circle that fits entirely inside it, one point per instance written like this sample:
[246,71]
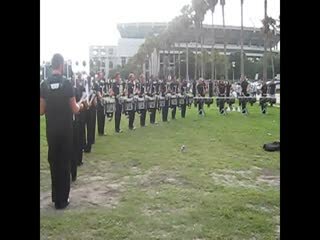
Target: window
[110,51]
[123,61]
[110,65]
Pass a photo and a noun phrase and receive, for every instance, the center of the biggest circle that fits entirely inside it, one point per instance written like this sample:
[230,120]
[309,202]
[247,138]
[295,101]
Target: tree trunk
[202,57]
[272,64]
[179,60]
[174,62]
[196,56]
[265,44]
[241,37]
[187,63]
[225,46]
[212,51]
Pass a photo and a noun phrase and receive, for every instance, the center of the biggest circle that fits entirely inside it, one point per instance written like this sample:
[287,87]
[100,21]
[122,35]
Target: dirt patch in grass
[156,176]
[90,191]
[252,178]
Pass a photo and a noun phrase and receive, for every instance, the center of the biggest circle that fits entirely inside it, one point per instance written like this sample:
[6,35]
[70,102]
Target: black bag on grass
[272,147]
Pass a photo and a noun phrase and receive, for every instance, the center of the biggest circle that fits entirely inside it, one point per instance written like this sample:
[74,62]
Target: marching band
[92,99]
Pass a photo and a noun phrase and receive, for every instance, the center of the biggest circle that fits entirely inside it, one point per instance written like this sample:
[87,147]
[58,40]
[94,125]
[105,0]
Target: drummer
[130,90]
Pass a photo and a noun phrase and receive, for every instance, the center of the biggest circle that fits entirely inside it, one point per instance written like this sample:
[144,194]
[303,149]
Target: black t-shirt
[200,89]
[57,92]
[130,88]
[174,86]
[79,90]
[183,87]
[222,88]
[141,87]
[244,86]
[154,87]
[228,88]
[163,88]
[264,90]
[210,89]
[272,88]
[116,90]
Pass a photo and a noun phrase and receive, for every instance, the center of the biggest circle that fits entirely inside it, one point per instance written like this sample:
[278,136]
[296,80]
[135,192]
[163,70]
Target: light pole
[233,66]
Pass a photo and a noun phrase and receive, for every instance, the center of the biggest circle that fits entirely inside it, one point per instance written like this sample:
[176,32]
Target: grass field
[139,185]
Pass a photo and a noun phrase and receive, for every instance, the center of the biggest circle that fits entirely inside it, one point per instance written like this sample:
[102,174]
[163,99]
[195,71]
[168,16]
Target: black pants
[142,118]
[101,119]
[77,148]
[244,106]
[183,110]
[90,127]
[200,106]
[60,147]
[117,117]
[131,118]
[82,131]
[173,112]
[165,111]
[221,104]
[153,116]
[263,107]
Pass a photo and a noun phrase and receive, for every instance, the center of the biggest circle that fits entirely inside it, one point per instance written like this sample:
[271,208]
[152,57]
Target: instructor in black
[101,118]
[130,91]
[116,93]
[58,103]
[141,89]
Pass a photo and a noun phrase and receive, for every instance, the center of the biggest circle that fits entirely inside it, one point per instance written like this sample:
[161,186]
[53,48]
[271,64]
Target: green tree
[241,39]
[223,3]
[212,4]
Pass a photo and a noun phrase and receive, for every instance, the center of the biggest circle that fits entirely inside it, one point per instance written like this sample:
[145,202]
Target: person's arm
[74,105]
[42,98]
[42,106]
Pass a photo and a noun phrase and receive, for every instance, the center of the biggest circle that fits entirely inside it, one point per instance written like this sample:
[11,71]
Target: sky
[69,27]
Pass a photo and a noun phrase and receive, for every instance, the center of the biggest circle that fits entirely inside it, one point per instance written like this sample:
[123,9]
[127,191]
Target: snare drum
[189,99]
[128,104]
[162,101]
[109,105]
[151,102]
[173,101]
[181,100]
[140,103]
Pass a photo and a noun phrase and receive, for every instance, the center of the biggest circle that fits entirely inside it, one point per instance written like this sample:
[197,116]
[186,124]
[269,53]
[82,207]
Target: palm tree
[212,4]
[200,8]
[223,2]
[265,43]
[241,38]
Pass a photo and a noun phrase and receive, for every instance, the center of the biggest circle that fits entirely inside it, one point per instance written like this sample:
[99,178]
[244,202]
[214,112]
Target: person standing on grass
[58,103]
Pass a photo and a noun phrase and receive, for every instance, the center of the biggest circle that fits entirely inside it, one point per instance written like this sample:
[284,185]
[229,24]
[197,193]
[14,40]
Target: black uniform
[244,86]
[194,87]
[263,104]
[101,118]
[57,92]
[210,88]
[117,117]
[81,120]
[131,113]
[77,136]
[228,89]
[154,88]
[90,120]
[142,90]
[184,92]
[222,89]
[174,86]
[201,92]
[166,107]
[272,90]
